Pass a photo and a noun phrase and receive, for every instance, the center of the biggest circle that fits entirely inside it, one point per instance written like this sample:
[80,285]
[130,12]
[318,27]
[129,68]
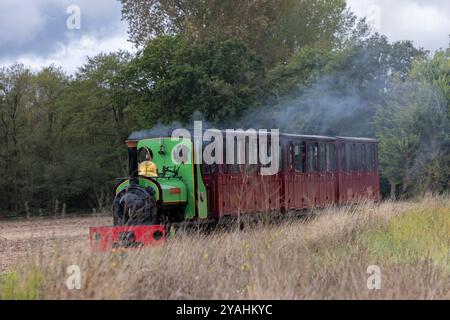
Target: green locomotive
[176,194]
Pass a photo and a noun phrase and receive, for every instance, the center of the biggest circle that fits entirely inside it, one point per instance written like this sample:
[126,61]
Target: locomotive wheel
[135,206]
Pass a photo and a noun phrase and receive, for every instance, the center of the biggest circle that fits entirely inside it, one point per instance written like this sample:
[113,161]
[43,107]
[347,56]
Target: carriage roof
[152,135]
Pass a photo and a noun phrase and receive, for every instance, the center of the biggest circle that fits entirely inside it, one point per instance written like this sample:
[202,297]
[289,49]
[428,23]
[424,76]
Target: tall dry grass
[325,257]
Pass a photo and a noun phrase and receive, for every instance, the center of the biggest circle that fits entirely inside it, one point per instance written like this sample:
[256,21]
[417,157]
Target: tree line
[307,67]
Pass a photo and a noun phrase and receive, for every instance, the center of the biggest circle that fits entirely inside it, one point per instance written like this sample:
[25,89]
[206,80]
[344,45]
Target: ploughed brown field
[37,237]
[330,256]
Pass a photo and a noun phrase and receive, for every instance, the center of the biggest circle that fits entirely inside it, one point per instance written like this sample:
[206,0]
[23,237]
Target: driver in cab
[148,168]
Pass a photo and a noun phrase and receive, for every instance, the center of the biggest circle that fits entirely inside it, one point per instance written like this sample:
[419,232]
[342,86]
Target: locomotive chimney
[133,161]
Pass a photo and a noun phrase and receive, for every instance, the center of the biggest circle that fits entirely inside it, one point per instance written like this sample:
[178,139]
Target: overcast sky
[34,32]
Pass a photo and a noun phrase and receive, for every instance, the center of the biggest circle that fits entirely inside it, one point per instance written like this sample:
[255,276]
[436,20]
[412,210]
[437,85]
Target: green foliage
[15,88]
[67,144]
[102,111]
[410,238]
[272,28]
[26,285]
[221,80]
[303,68]
[414,129]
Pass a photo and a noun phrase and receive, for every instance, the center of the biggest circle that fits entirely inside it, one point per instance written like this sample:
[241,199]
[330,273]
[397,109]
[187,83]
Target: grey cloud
[426,22]
[38,27]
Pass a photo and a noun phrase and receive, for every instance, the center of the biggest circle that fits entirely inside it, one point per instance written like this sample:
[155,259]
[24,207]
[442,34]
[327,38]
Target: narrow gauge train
[314,172]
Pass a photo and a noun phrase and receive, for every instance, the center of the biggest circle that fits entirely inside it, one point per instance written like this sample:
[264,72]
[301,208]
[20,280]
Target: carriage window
[224,166]
[323,157]
[232,167]
[354,158]
[375,157]
[304,156]
[358,162]
[342,164]
[299,158]
[290,156]
[363,157]
[280,159]
[371,157]
[349,157]
[236,167]
[250,168]
[331,157]
[316,157]
[312,156]
[209,168]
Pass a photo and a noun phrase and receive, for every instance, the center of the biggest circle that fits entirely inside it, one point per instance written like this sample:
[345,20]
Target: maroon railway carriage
[315,171]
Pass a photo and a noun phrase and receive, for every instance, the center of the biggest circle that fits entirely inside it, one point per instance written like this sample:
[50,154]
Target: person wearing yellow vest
[148,168]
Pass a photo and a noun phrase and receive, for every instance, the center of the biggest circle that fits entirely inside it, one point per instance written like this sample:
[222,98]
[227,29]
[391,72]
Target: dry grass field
[325,257]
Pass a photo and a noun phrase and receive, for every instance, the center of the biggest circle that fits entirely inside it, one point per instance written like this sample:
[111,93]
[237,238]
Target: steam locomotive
[313,172]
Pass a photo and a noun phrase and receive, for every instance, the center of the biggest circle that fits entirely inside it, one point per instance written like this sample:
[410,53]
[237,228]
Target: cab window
[142,154]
